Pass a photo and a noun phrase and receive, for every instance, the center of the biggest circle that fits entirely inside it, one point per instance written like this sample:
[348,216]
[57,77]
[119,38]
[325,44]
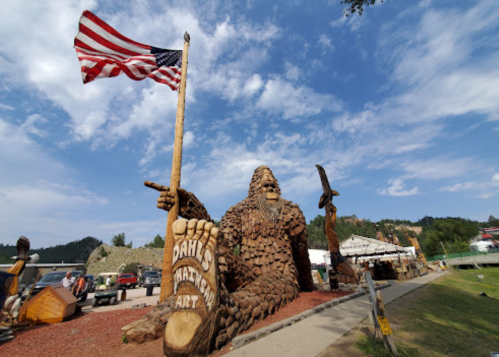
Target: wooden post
[446,256]
[167,274]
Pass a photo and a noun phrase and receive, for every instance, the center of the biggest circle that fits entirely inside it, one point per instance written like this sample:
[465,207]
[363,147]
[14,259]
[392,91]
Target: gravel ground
[99,333]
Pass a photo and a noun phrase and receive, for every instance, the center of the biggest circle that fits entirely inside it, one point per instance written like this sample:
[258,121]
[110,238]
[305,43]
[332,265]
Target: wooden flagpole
[167,275]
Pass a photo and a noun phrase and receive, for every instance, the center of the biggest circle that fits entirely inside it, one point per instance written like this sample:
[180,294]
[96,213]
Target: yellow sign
[385,326]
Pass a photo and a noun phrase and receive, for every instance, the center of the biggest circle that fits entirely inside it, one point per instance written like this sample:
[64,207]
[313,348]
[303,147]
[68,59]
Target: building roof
[360,246]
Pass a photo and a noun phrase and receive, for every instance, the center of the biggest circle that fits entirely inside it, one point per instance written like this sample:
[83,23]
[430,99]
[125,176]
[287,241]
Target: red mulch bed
[98,334]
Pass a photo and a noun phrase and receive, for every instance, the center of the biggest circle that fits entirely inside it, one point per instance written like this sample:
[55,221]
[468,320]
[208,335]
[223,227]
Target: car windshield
[126,275]
[53,277]
[101,279]
[151,274]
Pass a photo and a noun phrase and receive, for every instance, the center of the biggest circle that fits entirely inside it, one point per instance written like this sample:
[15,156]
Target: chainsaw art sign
[193,263]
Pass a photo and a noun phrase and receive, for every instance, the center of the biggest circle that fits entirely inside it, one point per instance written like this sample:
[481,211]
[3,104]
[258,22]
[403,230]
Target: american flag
[103,52]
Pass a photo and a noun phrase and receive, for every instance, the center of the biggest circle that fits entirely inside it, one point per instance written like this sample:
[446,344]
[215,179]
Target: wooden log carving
[219,294]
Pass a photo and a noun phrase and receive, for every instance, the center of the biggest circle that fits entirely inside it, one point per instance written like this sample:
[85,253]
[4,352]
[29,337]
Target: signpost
[378,310]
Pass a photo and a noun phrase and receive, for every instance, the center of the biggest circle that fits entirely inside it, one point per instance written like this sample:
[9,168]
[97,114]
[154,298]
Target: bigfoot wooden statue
[219,293]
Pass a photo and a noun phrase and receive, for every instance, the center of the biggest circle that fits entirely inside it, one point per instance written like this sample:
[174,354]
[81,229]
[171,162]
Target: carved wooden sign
[195,287]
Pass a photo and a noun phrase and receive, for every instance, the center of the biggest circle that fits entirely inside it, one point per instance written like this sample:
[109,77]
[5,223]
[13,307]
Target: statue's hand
[166,198]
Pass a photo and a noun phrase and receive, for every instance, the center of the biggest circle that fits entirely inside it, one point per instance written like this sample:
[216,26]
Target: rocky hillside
[106,258]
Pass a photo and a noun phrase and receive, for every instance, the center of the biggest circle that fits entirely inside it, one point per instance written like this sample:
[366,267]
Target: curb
[242,340]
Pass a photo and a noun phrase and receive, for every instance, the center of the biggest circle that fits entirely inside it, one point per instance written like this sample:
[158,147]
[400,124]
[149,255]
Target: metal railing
[461,255]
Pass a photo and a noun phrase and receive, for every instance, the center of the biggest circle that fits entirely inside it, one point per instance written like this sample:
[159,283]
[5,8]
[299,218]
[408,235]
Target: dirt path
[98,334]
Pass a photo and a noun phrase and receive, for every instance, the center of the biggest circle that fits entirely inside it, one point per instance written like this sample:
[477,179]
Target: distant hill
[107,258]
[74,252]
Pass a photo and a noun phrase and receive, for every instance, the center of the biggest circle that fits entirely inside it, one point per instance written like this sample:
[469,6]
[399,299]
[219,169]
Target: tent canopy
[317,256]
[362,246]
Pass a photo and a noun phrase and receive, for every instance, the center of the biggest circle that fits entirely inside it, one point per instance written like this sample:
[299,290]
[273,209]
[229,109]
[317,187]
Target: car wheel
[112,301]
[95,303]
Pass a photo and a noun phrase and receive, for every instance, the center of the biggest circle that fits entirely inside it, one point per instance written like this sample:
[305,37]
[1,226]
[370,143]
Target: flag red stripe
[91,57]
[111,30]
[93,72]
[103,52]
[167,74]
[163,81]
[84,48]
[101,40]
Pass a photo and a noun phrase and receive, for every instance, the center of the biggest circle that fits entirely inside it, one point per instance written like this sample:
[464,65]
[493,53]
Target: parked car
[126,280]
[106,293]
[151,278]
[51,278]
[482,246]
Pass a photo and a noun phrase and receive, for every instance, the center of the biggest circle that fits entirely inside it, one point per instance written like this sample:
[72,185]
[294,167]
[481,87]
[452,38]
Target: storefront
[384,260]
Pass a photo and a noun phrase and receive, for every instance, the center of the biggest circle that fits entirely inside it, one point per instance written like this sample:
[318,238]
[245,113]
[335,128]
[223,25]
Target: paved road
[133,297]
[312,335]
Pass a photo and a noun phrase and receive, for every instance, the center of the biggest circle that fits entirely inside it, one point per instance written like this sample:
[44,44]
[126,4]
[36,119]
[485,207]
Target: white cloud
[253,85]
[435,65]
[37,187]
[6,107]
[325,44]
[294,102]
[439,168]
[396,188]
[483,188]
[293,73]
[354,22]
[106,111]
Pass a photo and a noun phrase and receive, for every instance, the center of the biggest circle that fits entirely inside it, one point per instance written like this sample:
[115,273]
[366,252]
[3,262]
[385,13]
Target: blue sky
[400,106]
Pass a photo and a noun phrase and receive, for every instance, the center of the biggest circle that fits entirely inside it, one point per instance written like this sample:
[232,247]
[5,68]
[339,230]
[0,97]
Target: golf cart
[106,293]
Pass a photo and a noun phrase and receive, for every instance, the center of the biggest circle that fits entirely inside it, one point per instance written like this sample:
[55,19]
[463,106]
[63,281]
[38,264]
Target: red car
[126,280]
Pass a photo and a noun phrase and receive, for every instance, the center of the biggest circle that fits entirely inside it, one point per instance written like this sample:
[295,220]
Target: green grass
[447,317]
[365,345]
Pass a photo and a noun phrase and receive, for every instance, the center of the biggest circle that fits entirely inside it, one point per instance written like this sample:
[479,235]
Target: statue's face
[268,186]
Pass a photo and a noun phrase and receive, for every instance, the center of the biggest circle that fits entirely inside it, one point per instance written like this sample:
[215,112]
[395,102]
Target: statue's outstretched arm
[190,206]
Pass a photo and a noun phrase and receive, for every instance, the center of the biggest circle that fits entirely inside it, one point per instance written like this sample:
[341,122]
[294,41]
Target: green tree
[131,268]
[118,240]
[454,233]
[158,242]
[103,252]
[316,236]
[493,221]
[356,6]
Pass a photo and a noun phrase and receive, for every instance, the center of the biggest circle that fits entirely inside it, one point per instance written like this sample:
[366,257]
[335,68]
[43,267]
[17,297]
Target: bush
[131,268]
[103,252]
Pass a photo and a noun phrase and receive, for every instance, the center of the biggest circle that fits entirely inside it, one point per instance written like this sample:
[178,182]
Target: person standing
[68,282]
[80,284]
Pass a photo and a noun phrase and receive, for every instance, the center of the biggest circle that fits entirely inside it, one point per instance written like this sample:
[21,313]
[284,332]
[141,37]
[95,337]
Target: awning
[358,246]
